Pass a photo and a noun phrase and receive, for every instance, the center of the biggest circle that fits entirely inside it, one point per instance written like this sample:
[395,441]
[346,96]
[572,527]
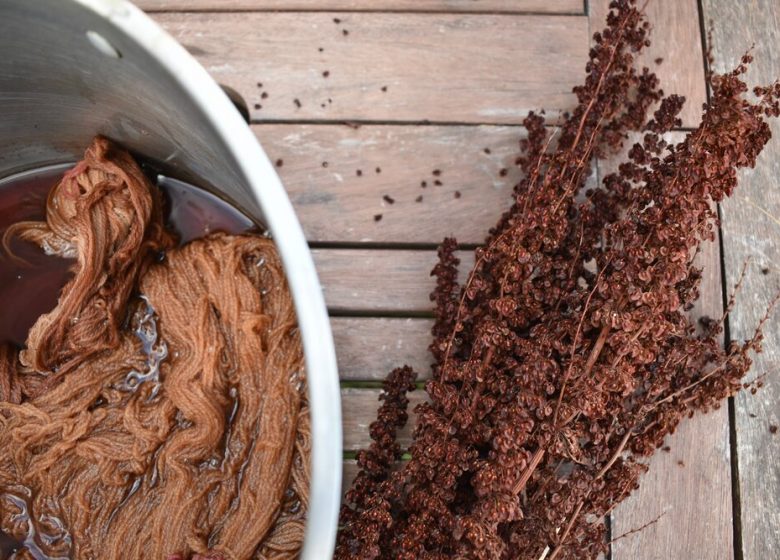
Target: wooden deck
[365,98]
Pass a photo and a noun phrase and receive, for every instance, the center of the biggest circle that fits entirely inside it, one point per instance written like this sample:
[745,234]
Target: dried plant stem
[525,477]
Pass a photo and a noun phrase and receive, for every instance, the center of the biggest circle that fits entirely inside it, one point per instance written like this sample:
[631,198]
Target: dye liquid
[30,281]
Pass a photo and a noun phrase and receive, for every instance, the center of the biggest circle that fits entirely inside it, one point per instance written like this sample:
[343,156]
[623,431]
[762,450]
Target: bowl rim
[269,194]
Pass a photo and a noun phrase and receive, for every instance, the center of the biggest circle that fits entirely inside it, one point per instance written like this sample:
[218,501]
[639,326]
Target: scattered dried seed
[423,184]
[377,217]
[259,84]
[436,172]
[345,32]
[324,164]
[321,49]
[418,199]
[279,162]
[359,172]
[326,73]
[772,429]
[438,183]
[666,448]
[457,194]
[487,150]
[659,60]
[389,199]
[384,88]
[503,172]
[297,103]
[681,463]
[378,170]
[764,271]
[264,95]
[258,106]
[336,20]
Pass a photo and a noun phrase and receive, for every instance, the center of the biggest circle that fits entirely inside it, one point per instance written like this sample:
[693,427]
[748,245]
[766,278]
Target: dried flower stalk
[567,355]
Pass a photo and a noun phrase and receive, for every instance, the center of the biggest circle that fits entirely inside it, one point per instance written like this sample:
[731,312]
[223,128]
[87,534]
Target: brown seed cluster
[567,355]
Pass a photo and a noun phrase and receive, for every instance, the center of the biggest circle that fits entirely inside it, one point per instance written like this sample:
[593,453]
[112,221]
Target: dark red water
[29,289]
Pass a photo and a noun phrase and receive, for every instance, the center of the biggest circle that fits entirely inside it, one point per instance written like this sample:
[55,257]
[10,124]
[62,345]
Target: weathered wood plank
[751,230]
[379,281]
[359,408]
[673,491]
[334,203]
[427,62]
[676,38]
[507,6]
[348,475]
[369,347]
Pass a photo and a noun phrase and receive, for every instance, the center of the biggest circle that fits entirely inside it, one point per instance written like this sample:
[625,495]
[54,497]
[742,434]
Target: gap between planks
[429,6]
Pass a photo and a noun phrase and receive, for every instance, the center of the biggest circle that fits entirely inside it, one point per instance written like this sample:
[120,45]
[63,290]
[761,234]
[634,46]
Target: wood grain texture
[681,494]
[751,230]
[334,203]
[368,348]
[676,38]
[379,281]
[348,475]
[429,63]
[506,6]
[359,408]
